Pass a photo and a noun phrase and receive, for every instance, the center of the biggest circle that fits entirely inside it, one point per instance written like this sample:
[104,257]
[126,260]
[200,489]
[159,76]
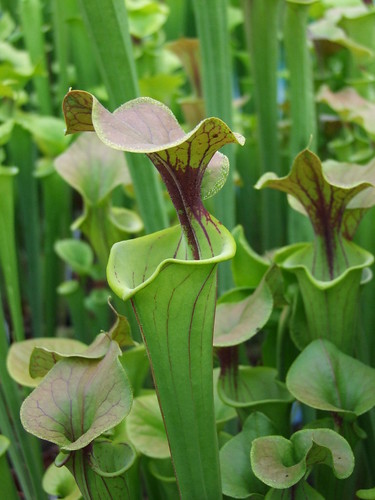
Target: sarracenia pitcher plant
[170,276]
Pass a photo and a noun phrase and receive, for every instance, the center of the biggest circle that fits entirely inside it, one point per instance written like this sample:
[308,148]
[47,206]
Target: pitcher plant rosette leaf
[329,270]
[170,276]
[325,378]
[282,463]
[81,395]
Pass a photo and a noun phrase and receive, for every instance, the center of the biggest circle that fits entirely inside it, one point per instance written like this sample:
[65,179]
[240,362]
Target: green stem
[73,293]
[106,21]
[81,47]
[8,487]
[212,27]
[261,23]
[24,450]
[10,6]
[56,209]
[61,43]
[302,102]
[32,27]
[175,25]
[8,250]
[23,154]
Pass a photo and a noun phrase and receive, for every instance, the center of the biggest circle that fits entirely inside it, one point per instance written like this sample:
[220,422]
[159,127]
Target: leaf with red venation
[43,357]
[325,201]
[78,400]
[77,112]
[144,125]
[348,175]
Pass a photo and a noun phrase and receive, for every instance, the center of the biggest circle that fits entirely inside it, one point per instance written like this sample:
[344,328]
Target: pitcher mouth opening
[133,264]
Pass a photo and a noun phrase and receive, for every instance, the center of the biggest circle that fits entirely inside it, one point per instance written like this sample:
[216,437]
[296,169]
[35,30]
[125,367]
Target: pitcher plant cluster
[191,364]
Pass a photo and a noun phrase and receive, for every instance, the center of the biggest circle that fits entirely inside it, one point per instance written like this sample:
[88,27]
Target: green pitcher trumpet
[170,276]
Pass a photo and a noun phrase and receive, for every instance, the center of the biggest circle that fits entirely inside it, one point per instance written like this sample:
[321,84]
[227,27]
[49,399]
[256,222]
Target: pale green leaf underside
[326,379]
[19,355]
[239,321]
[144,125]
[146,429]
[91,168]
[78,400]
[59,482]
[350,106]
[281,463]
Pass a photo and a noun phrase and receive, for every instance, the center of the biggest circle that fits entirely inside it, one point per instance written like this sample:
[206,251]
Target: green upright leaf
[299,491]
[256,389]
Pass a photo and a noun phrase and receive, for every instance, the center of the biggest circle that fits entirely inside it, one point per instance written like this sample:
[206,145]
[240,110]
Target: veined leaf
[78,400]
[327,379]
[281,463]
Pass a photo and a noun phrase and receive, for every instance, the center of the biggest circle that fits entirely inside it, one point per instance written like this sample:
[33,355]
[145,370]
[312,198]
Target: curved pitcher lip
[368,259]
[228,250]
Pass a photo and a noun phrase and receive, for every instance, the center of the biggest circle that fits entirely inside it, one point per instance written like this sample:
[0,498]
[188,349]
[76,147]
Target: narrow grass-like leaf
[212,27]
[23,155]
[302,98]
[106,21]
[24,450]
[261,24]
[56,207]
[73,293]
[7,484]
[8,253]
[32,26]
